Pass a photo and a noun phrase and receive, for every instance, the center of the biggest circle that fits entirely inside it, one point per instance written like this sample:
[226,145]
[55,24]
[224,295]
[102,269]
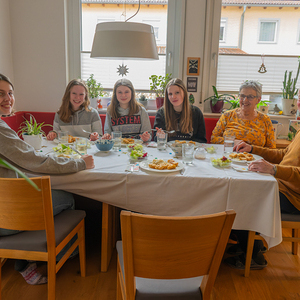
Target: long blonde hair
[134,106]
[185,121]
[66,111]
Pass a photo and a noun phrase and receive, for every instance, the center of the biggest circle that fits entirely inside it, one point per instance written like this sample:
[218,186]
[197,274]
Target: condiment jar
[200,153]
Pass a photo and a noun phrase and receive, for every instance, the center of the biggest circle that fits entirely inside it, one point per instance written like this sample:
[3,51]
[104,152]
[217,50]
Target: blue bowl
[104,145]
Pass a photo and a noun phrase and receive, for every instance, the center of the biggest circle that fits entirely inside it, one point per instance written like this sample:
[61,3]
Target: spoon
[86,131]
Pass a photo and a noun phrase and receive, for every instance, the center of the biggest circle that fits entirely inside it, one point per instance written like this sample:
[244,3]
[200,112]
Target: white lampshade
[124,40]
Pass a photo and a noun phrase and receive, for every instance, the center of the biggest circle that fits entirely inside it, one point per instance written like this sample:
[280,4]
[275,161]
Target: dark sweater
[198,134]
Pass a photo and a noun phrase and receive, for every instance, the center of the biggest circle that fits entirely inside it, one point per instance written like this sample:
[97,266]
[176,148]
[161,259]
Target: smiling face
[77,96]
[247,104]
[176,97]
[123,94]
[7,98]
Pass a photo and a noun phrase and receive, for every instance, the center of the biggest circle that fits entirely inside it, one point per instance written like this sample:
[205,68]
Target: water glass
[188,153]
[63,137]
[117,137]
[162,139]
[229,143]
[81,146]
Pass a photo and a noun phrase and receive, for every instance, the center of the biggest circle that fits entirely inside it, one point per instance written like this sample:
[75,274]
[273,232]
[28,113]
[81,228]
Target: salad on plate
[136,151]
[222,162]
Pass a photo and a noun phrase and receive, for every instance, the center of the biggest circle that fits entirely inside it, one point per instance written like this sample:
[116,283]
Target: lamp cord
[135,13]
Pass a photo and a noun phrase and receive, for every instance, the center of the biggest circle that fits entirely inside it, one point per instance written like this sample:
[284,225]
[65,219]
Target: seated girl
[178,114]
[75,115]
[125,114]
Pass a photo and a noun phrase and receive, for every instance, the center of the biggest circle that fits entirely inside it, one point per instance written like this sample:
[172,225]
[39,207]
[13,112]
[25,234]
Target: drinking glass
[162,139]
[63,137]
[117,137]
[229,143]
[200,153]
[188,153]
[81,146]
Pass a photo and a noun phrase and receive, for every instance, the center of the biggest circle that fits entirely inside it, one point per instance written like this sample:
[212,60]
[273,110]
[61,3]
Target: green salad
[211,149]
[221,162]
[137,151]
[63,149]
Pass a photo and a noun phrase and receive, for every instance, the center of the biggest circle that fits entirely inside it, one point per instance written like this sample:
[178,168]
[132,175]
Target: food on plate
[178,143]
[160,164]
[242,156]
[127,141]
[221,162]
[137,151]
[211,149]
[64,151]
[72,139]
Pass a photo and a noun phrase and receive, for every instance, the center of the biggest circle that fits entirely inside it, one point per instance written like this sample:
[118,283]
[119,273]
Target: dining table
[198,188]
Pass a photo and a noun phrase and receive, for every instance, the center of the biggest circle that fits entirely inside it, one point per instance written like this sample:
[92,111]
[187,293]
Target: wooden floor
[280,280]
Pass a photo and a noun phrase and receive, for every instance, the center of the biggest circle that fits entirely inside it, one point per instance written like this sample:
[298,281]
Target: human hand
[145,136]
[89,161]
[242,147]
[51,136]
[94,136]
[106,136]
[261,166]
[160,132]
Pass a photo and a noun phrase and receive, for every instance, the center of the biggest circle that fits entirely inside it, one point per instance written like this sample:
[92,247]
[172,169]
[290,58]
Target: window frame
[298,33]
[271,20]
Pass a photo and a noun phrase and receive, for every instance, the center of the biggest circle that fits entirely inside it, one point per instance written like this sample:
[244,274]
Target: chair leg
[120,283]
[251,237]
[0,278]
[82,254]
[51,278]
[295,233]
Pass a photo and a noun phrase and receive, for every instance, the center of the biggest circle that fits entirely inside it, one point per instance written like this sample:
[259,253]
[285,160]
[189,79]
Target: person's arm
[198,121]
[145,126]
[107,125]
[53,133]
[270,136]
[96,123]
[217,134]
[159,121]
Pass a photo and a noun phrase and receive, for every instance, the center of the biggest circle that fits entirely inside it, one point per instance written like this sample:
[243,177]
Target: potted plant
[289,91]
[32,132]
[95,90]
[158,85]
[217,100]
[263,106]
[143,100]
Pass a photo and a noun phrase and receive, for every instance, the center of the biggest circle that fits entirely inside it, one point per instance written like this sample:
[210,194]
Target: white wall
[38,52]
[6,61]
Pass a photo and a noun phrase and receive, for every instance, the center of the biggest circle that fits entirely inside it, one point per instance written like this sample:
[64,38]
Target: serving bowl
[104,145]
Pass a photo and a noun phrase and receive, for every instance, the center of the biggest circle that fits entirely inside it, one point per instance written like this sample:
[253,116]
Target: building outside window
[222,30]
[268,30]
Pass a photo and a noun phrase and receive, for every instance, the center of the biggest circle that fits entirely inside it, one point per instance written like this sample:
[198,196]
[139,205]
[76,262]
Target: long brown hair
[5,78]
[185,121]
[66,111]
[134,106]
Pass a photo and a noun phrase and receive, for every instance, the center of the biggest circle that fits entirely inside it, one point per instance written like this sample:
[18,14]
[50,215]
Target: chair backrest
[22,207]
[174,247]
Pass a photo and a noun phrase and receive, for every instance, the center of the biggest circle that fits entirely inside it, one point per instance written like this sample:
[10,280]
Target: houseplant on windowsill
[32,132]
[143,100]
[289,92]
[217,100]
[95,90]
[158,85]
[263,106]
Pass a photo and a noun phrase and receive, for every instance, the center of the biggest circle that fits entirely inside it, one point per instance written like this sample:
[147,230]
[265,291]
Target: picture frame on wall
[193,66]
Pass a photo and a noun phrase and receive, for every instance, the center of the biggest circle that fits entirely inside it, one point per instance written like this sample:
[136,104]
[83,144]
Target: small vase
[289,106]
[159,102]
[33,140]
[264,109]
[217,108]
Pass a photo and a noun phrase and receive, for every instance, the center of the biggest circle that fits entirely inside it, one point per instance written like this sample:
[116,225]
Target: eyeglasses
[249,97]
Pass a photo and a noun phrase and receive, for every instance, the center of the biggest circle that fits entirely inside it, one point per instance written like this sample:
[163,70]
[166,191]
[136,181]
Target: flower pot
[217,108]
[33,140]
[144,103]
[289,106]
[264,109]
[159,102]
[94,103]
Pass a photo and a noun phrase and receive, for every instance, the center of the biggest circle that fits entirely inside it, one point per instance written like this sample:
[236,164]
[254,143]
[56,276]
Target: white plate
[144,166]
[136,141]
[240,168]
[57,154]
[244,162]
[196,145]
[89,143]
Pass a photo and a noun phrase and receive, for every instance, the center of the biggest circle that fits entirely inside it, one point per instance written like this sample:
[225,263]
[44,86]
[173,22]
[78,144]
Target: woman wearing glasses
[246,123]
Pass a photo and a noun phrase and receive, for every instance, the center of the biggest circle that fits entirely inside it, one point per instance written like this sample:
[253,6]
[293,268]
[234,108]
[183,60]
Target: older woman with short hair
[246,123]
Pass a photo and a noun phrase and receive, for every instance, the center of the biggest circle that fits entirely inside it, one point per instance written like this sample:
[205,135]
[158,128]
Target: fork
[170,131]
[86,131]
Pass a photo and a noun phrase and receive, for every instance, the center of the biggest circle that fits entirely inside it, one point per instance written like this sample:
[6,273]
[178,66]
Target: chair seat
[64,223]
[290,217]
[177,289]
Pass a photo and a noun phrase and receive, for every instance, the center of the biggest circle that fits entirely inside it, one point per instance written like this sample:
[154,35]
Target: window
[267,31]
[222,30]
[298,39]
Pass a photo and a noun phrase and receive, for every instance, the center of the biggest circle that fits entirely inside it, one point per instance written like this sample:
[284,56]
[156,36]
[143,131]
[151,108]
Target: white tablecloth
[202,189]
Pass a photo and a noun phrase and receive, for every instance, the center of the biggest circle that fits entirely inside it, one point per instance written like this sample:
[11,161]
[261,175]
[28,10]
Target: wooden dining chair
[43,236]
[293,222]
[168,257]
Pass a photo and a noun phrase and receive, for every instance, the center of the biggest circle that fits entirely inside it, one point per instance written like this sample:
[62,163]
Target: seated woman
[22,155]
[178,114]
[246,123]
[284,165]
[75,115]
[125,114]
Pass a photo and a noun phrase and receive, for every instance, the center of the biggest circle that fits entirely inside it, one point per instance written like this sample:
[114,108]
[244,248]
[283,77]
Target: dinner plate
[57,154]
[144,166]
[136,141]
[89,143]
[196,143]
[240,168]
[244,162]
